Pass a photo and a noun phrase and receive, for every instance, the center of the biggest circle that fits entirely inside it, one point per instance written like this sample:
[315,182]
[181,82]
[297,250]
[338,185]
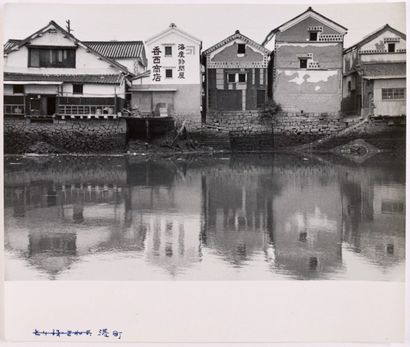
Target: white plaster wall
[95,90]
[192,61]
[392,57]
[371,45]
[388,107]
[86,63]
[41,89]
[129,64]
[7,89]
[89,90]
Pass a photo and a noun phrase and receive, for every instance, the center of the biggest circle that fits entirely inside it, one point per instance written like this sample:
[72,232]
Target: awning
[383,77]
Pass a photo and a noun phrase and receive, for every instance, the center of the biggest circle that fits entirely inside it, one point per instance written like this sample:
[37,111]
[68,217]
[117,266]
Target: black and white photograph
[204,142]
[269,151]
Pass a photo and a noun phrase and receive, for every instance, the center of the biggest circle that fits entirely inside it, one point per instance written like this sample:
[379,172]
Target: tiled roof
[95,79]
[384,69]
[10,43]
[117,49]
[237,35]
[54,25]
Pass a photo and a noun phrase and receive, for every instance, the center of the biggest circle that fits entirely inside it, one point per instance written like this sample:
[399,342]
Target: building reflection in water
[290,216]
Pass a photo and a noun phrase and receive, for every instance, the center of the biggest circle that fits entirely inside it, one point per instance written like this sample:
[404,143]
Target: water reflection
[242,217]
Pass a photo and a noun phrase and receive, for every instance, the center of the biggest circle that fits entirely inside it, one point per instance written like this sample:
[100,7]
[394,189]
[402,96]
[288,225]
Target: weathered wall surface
[315,89]
[184,99]
[388,107]
[327,54]
[74,136]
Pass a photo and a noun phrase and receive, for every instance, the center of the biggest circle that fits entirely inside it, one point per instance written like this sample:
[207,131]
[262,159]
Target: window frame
[393,94]
[52,56]
[242,74]
[165,51]
[300,63]
[78,85]
[172,73]
[244,48]
[18,85]
[391,44]
[234,77]
[313,33]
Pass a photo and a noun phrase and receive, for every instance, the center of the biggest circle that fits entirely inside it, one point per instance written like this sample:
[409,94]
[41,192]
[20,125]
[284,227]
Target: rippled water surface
[239,217]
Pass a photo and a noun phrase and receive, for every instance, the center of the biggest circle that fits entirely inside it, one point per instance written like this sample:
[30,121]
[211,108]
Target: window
[241,78]
[391,47]
[393,93]
[168,51]
[313,36]
[392,206]
[18,89]
[303,63]
[349,86]
[168,73]
[77,88]
[231,78]
[241,48]
[51,57]
[260,98]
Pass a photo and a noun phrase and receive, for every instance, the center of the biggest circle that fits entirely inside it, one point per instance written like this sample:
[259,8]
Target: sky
[210,23]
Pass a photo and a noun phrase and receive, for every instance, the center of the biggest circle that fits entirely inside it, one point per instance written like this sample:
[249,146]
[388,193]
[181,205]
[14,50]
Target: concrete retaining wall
[73,136]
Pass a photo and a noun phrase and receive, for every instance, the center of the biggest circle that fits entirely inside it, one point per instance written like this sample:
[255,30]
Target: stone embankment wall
[65,136]
[252,130]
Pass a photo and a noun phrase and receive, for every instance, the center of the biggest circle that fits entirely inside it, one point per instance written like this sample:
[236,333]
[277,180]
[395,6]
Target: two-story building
[374,75]
[236,74]
[307,64]
[52,73]
[172,85]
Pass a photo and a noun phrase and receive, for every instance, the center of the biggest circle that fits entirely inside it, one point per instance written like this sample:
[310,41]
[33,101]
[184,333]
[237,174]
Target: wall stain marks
[301,77]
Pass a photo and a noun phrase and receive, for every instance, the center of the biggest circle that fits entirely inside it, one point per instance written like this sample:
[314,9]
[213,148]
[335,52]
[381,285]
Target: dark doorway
[50,105]
[33,104]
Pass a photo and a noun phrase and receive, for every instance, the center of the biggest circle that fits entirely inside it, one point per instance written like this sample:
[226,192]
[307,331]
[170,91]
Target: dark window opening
[231,78]
[349,86]
[241,48]
[52,57]
[77,88]
[260,98]
[303,63]
[168,73]
[18,89]
[313,36]
[242,78]
[168,51]
[391,47]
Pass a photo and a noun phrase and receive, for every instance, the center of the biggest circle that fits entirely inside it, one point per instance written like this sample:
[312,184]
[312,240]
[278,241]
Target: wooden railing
[85,109]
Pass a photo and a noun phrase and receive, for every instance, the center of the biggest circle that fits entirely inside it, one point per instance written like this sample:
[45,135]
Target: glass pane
[34,57]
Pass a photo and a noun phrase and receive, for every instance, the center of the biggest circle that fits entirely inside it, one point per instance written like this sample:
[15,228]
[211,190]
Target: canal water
[227,217]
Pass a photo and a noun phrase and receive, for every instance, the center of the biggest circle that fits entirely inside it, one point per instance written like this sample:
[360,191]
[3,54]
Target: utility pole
[69,26]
